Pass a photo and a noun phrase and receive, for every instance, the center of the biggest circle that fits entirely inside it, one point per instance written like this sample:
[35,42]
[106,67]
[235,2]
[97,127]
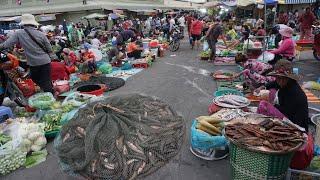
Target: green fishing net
[121,137]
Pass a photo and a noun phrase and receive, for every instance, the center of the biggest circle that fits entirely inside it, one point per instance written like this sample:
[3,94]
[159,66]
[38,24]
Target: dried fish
[93,166]
[134,148]
[131,161]
[125,151]
[141,167]
[109,166]
[81,131]
[66,137]
[119,143]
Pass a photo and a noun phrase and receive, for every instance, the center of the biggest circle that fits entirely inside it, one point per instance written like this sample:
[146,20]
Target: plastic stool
[5,113]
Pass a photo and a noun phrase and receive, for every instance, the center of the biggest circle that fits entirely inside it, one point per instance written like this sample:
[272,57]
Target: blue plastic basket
[226,91]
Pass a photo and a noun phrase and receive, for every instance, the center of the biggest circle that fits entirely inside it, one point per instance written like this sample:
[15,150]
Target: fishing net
[121,137]
[111,82]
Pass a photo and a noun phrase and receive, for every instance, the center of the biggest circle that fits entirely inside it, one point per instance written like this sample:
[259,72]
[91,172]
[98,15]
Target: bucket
[95,89]
[145,45]
[154,51]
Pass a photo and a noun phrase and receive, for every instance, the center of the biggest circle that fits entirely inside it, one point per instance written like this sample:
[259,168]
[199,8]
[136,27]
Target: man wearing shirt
[306,21]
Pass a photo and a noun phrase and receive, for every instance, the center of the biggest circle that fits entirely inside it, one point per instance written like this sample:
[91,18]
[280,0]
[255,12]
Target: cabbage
[35,148]
[41,141]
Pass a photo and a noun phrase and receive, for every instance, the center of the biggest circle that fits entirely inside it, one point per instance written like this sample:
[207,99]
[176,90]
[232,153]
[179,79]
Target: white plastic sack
[72,99]
[266,57]
[205,46]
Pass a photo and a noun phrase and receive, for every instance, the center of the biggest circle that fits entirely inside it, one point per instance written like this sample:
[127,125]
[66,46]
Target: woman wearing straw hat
[37,50]
[286,97]
[286,49]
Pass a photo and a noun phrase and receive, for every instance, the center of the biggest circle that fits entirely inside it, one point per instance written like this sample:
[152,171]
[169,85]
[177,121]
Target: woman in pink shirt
[286,49]
[196,30]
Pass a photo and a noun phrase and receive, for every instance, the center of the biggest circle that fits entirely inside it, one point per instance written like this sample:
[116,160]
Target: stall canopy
[268,2]
[94,16]
[46,17]
[244,3]
[296,1]
[8,19]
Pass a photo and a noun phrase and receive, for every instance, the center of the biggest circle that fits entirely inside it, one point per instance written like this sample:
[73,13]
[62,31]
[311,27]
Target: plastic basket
[227,91]
[302,175]
[316,121]
[246,164]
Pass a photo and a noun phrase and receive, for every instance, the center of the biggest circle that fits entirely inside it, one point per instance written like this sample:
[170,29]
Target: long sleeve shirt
[34,54]
[293,103]
[286,48]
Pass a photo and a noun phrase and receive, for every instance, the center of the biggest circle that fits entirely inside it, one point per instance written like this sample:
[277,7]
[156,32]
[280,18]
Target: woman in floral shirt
[254,71]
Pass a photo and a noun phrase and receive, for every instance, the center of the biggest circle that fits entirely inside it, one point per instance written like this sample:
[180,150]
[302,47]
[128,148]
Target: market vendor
[286,96]
[134,51]
[125,35]
[245,33]
[37,51]
[69,57]
[115,55]
[287,47]
[254,71]
[87,60]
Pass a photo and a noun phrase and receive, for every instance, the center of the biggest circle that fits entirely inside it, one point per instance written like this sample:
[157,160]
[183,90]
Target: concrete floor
[183,82]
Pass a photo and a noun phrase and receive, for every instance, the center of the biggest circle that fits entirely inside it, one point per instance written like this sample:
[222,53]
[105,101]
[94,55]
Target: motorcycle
[8,87]
[175,38]
[316,43]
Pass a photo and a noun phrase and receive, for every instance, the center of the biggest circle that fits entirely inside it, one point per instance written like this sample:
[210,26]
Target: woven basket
[247,164]
[316,121]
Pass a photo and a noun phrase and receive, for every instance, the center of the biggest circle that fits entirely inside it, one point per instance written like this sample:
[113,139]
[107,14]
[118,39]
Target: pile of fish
[270,135]
[231,101]
[121,137]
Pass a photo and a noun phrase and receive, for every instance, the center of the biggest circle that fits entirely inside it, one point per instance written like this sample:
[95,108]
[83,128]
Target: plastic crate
[247,164]
[294,174]
[227,91]
[141,65]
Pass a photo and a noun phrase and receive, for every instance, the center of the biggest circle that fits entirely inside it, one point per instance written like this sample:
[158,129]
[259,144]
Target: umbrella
[94,16]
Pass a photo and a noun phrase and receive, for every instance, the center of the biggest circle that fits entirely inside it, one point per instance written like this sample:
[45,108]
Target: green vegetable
[52,120]
[12,161]
[205,54]
[4,139]
[36,158]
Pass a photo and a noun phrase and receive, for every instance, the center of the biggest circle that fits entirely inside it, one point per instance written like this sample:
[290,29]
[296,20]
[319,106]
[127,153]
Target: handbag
[61,86]
[39,44]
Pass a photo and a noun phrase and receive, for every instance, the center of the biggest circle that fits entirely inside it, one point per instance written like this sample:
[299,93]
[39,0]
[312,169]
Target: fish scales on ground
[122,143]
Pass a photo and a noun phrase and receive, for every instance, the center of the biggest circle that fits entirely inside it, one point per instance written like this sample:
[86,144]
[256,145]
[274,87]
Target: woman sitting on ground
[254,72]
[287,47]
[286,98]
[134,51]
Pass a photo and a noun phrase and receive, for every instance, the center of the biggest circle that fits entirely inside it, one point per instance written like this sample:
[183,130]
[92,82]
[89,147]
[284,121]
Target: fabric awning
[297,1]
[94,16]
[244,3]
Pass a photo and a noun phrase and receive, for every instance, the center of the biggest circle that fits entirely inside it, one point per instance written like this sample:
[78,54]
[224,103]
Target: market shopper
[134,51]
[287,47]
[255,72]
[196,30]
[87,60]
[286,96]
[37,49]
[307,19]
[214,32]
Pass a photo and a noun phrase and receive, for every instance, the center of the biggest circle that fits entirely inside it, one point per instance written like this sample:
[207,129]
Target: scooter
[316,43]
[8,88]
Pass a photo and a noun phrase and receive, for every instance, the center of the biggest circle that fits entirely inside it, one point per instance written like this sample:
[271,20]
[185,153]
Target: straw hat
[286,32]
[284,68]
[28,19]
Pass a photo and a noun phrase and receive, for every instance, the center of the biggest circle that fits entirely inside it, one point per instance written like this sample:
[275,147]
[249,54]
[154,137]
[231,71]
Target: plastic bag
[36,158]
[77,99]
[204,141]
[302,158]
[311,85]
[105,68]
[266,57]
[41,100]
[205,46]
[126,66]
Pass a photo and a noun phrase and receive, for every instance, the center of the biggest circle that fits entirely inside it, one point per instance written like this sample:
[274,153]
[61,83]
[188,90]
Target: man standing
[283,18]
[212,36]
[306,20]
[182,23]
[37,49]
[196,30]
